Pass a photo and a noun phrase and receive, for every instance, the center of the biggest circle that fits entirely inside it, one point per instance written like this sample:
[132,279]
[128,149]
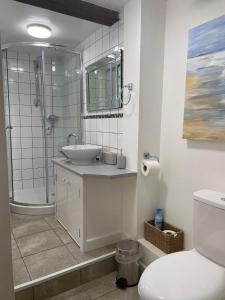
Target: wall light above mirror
[104,81]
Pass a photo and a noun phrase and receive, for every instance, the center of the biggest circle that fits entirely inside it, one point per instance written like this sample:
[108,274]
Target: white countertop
[97,169]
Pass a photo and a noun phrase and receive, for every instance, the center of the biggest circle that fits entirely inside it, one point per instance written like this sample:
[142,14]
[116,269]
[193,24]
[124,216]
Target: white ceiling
[15,16]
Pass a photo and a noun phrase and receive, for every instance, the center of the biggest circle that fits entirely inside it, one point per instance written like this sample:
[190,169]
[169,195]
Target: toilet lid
[183,275]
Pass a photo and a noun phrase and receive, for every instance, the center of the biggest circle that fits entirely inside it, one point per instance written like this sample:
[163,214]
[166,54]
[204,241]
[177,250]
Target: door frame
[6,271]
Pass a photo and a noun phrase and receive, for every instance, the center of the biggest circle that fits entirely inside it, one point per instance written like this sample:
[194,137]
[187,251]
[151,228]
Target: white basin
[82,154]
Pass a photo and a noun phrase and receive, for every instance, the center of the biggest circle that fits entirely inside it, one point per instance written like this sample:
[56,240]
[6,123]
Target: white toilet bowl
[198,274]
[183,275]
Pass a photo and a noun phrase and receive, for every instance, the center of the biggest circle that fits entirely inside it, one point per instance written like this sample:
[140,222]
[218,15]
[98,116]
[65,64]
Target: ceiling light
[39,31]
[15,69]
[111,56]
[41,44]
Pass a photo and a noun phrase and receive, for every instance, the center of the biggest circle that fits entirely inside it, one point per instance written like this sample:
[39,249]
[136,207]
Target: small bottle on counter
[158,218]
[121,160]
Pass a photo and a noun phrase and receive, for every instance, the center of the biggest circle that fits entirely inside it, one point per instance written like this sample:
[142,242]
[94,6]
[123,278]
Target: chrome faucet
[69,137]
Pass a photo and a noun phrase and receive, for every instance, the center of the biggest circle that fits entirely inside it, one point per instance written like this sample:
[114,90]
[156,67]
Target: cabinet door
[61,195]
[75,206]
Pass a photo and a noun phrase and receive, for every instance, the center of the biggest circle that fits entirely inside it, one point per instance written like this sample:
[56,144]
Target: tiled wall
[103,131]
[72,97]
[62,100]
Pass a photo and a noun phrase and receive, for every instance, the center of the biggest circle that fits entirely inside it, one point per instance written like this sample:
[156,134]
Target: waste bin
[127,256]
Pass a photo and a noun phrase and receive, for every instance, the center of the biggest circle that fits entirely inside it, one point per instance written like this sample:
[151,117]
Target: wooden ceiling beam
[79,9]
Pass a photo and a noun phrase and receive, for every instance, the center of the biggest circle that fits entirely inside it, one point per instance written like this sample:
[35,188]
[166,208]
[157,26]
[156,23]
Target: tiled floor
[41,246]
[102,289]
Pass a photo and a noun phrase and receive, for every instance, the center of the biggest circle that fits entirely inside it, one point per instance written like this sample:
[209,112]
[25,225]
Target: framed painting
[204,113]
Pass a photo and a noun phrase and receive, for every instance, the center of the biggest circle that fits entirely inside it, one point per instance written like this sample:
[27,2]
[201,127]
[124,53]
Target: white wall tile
[105,125]
[38,173]
[16,153]
[105,139]
[113,140]
[26,163]
[38,163]
[25,99]
[15,121]
[13,87]
[27,184]
[37,131]
[26,132]
[38,152]
[27,174]
[25,110]
[17,164]
[26,142]
[38,142]
[15,132]
[24,77]
[27,153]
[113,125]
[39,182]
[17,185]
[13,98]
[36,121]
[24,88]
[14,110]
[16,143]
[114,38]
[26,121]
[22,64]
[105,43]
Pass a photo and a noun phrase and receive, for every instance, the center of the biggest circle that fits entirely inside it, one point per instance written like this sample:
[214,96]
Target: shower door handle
[9,127]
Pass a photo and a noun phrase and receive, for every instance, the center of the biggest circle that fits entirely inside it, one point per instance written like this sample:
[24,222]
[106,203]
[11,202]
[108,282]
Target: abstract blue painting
[204,114]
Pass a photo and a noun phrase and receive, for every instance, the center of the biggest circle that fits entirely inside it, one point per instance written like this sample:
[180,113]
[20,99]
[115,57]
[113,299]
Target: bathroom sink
[82,154]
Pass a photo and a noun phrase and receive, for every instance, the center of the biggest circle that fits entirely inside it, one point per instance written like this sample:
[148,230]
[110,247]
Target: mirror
[104,83]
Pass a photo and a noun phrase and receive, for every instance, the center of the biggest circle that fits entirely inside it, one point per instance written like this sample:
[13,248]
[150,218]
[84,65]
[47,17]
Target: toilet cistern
[198,274]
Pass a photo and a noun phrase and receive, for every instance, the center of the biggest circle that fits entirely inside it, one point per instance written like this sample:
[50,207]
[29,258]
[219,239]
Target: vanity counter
[95,170]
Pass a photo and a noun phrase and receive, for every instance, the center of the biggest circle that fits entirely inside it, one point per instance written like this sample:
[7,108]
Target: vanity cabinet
[90,204]
[69,209]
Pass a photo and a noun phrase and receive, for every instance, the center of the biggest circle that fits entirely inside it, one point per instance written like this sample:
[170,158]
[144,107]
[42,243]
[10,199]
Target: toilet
[198,274]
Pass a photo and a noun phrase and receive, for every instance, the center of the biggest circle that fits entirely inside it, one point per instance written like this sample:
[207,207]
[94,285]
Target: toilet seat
[185,275]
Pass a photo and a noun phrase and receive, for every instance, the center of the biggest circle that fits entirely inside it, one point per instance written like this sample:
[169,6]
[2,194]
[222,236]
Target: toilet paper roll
[150,167]
[170,232]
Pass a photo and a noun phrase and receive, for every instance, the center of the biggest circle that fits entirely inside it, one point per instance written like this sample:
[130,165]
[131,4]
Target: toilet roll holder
[148,156]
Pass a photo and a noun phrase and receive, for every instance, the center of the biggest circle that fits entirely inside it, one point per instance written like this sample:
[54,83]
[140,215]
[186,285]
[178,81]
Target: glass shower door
[8,123]
[43,88]
[63,86]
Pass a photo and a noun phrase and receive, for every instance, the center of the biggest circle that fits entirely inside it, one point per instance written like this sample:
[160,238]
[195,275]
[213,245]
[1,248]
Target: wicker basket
[163,241]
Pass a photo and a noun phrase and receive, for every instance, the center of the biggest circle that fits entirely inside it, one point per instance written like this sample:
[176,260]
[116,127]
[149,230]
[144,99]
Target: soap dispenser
[121,160]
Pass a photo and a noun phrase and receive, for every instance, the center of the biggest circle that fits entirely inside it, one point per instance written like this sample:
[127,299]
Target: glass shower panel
[63,74]
[8,123]
[43,105]
[62,104]
[26,146]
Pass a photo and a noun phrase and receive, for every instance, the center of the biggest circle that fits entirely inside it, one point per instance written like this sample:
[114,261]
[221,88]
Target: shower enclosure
[42,88]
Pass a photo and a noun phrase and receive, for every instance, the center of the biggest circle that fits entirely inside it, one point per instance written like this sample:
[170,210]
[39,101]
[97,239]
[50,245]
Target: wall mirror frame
[104,82]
